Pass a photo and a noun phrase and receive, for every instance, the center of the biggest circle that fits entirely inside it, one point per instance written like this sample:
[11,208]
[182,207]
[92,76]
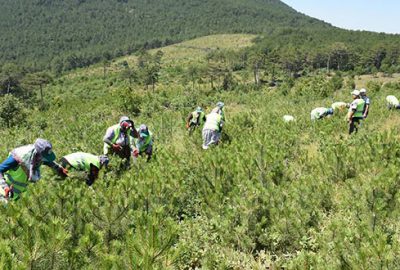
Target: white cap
[355,93]
[363,90]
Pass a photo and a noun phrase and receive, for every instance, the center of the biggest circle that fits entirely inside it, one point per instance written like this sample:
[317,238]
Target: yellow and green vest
[19,176]
[213,122]
[359,113]
[197,116]
[81,161]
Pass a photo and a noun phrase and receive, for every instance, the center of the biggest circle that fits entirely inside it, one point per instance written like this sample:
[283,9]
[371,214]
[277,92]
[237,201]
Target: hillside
[68,34]
[273,195]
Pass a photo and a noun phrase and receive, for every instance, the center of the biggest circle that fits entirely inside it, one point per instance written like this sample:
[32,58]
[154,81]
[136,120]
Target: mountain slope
[273,196]
[80,32]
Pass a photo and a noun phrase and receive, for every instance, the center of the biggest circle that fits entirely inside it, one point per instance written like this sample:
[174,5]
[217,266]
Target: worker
[144,143]
[392,102]
[340,106]
[212,129]
[320,112]
[195,119]
[356,111]
[23,167]
[363,93]
[119,139]
[220,109]
[85,162]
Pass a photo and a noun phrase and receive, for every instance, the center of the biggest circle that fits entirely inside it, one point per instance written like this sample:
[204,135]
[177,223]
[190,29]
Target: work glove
[187,126]
[9,192]
[135,153]
[116,147]
[62,171]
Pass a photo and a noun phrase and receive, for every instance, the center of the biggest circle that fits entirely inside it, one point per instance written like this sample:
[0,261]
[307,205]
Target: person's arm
[366,110]
[352,110]
[93,174]
[57,167]
[9,163]
[109,135]
[134,131]
[367,103]
[188,119]
[350,115]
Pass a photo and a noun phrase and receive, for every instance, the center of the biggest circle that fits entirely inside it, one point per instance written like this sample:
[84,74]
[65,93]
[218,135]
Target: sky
[371,15]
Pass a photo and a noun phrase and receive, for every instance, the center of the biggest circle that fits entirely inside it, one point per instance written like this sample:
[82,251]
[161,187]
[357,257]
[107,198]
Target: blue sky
[371,15]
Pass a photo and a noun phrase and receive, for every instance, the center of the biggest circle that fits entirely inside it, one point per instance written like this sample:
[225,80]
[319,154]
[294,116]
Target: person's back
[392,102]
[23,166]
[339,105]
[318,113]
[367,102]
[212,129]
[358,107]
[196,118]
[86,163]
[213,122]
[81,161]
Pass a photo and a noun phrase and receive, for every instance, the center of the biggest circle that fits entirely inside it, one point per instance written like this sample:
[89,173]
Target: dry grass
[178,54]
[362,81]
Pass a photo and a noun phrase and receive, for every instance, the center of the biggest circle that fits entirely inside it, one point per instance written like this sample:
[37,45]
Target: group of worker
[213,124]
[22,166]
[125,141]
[358,109]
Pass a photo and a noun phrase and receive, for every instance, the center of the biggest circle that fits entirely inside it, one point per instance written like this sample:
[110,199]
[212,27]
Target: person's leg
[215,137]
[125,153]
[355,122]
[206,138]
[149,152]
[351,127]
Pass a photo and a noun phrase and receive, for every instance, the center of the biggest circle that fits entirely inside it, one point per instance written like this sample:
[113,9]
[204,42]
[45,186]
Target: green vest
[213,122]
[197,117]
[117,133]
[143,144]
[18,178]
[360,108]
[81,161]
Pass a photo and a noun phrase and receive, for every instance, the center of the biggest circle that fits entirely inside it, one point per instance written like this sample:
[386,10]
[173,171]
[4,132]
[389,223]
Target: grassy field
[273,195]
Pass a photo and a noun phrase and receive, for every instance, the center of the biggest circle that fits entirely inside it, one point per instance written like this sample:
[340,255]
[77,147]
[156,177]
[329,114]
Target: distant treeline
[58,36]
[63,35]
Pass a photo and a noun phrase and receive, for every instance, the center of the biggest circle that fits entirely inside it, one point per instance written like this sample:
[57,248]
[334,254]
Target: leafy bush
[12,111]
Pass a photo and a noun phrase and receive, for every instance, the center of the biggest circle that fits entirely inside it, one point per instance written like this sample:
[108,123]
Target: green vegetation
[298,196]
[64,35]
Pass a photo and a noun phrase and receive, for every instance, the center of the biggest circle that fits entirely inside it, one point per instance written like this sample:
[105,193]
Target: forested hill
[65,34]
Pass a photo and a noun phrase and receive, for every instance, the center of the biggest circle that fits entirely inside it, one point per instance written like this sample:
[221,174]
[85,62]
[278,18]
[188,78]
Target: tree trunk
[256,75]
[41,95]
[328,63]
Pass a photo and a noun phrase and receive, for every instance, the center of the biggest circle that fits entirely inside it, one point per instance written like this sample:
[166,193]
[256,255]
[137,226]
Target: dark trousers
[355,122]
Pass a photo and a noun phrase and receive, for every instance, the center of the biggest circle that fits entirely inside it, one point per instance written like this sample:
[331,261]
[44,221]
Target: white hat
[363,90]
[355,93]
